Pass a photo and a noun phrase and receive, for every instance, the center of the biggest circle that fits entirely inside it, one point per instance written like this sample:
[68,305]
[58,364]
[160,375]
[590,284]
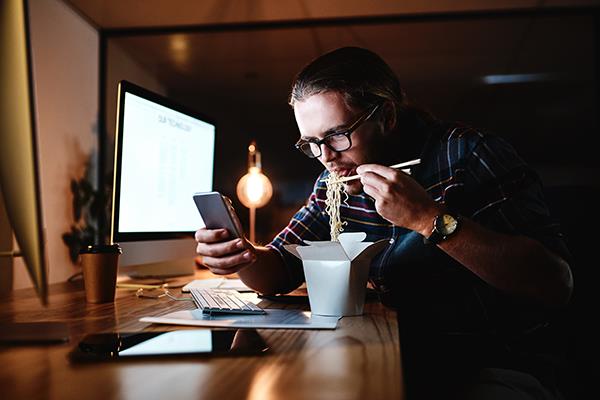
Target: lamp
[254,189]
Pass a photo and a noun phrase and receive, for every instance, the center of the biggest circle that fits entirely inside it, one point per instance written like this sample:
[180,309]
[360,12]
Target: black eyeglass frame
[346,132]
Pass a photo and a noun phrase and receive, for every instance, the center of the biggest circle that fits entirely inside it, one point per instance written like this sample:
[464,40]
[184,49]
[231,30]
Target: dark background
[240,76]
[234,60]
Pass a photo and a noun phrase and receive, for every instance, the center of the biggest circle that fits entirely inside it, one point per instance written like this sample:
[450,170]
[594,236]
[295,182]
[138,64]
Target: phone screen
[215,212]
[198,342]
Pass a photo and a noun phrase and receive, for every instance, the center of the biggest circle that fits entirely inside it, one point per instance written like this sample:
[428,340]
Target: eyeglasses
[336,141]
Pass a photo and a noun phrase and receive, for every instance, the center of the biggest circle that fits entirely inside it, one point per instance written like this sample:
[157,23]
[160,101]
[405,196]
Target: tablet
[179,343]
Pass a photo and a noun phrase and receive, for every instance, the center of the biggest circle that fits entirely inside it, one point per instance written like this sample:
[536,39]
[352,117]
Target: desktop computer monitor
[19,174]
[164,153]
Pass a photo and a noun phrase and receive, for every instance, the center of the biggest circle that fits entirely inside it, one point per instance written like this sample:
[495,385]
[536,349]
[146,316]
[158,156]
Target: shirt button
[392,240]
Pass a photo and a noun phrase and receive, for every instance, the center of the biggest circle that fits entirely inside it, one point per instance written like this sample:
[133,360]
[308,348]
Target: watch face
[447,224]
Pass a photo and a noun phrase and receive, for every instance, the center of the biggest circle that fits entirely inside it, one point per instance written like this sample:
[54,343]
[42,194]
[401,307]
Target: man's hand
[399,198]
[220,254]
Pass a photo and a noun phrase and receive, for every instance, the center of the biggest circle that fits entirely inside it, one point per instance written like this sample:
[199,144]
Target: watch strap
[434,238]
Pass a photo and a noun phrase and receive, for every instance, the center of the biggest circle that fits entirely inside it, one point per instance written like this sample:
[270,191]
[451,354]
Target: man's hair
[362,77]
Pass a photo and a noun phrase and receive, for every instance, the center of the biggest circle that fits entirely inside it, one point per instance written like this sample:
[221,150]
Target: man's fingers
[372,191]
[381,170]
[230,263]
[220,249]
[227,271]
[204,235]
[218,271]
[376,182]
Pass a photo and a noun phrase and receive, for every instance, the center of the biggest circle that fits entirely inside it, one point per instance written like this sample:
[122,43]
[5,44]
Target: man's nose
[327,154]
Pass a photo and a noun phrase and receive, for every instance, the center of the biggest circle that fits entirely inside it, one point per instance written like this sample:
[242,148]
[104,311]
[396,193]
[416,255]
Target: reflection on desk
[358,360]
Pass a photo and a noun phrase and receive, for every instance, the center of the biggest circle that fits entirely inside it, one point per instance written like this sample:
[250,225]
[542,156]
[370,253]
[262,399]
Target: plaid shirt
[476,175]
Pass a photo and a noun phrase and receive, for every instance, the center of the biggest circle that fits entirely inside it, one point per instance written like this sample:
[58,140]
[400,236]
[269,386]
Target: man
[472,247]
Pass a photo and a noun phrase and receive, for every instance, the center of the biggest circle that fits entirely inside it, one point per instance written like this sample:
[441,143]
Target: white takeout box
[337,272]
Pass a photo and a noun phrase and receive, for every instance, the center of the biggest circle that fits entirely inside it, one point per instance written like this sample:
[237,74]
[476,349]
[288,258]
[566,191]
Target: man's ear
[389,116]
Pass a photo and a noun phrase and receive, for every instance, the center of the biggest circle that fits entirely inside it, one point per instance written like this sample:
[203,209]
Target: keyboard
[223,301]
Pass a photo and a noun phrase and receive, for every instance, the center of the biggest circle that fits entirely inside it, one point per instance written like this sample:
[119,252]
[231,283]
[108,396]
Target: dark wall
[241,78]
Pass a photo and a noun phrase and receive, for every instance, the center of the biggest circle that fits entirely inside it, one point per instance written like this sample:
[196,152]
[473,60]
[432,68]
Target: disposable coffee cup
[100,264]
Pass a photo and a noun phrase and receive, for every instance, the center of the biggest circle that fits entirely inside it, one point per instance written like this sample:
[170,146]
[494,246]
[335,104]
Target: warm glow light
[254,189]
[179,43]
[180,50]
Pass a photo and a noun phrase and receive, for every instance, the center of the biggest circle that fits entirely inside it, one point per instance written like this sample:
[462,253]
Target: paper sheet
[217,283]
[274,319]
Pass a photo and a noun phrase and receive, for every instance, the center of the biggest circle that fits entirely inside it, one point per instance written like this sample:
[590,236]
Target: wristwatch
[444,226]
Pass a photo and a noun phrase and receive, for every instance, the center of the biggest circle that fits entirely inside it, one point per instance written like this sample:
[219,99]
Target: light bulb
[254,189]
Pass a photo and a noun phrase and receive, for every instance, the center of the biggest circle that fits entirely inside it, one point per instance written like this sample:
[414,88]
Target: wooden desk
[358,360]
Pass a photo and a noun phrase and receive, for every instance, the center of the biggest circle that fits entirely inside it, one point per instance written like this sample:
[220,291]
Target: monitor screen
[164,154]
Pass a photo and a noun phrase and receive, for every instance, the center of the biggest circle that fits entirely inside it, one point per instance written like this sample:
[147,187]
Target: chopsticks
[395,166]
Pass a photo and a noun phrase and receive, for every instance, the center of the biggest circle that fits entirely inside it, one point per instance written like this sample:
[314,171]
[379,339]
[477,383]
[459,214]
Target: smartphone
[193,342]
[217,213]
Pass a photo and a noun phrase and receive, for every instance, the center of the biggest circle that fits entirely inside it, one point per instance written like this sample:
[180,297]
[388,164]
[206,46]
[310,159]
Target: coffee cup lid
[101,249]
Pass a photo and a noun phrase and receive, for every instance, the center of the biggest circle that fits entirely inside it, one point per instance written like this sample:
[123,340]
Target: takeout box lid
[350,247]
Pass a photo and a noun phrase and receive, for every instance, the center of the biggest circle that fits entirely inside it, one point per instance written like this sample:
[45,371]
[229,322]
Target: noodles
[332,205]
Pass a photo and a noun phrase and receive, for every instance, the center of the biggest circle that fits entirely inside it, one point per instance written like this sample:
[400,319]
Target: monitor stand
[158,258]
[164,269]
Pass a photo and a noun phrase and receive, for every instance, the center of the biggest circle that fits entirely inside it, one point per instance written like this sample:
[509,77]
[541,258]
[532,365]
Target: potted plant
[90,208]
